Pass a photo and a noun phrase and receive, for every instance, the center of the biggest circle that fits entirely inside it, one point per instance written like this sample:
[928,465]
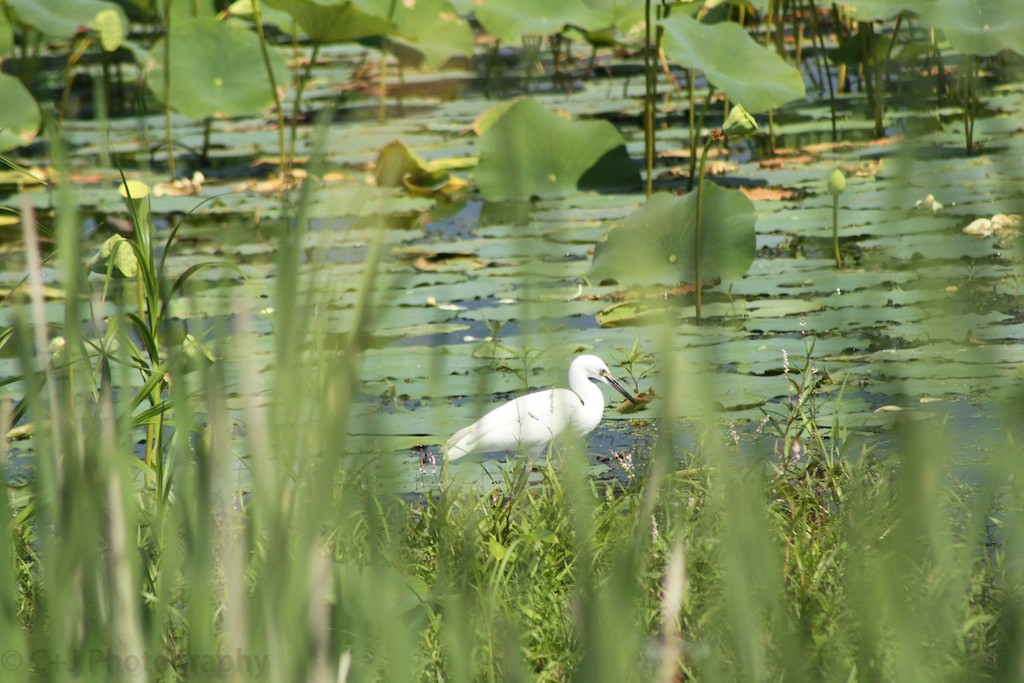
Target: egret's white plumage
[529,423]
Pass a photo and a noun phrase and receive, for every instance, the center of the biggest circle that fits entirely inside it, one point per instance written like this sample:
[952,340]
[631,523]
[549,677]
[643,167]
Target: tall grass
[812,562]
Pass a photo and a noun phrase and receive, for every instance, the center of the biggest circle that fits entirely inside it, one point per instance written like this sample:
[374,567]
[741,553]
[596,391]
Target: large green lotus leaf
[19,114]
[748,73]
[509,20]
[533,152]
[337,22]
[61,18]
[434,29]
[654,245]
[979,27]
[216,70]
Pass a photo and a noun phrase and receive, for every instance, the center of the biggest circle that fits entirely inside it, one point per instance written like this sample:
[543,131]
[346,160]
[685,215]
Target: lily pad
[748,73]
[533,152]
[655,244]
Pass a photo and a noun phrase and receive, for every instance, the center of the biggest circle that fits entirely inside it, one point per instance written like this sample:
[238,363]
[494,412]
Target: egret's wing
[528,423]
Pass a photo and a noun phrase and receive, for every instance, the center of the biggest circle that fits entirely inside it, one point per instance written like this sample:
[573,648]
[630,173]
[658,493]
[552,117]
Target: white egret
[529,423]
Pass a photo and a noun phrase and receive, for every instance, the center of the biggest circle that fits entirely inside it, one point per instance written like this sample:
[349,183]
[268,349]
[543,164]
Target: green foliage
[336,22]
[531,151]
[748,73]
[805,557]
[883,10]
[510,21]
[983,28]
[655,245]
[213,494]
[19,114]
[433,29]
[64,18]
[216,69]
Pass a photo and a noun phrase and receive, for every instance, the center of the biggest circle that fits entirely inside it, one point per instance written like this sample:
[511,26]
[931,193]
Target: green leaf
[534,152]
[110,27]
[62,18]
[748,73]
[19,114]
[978,27]
[435,30]
[509,21]
[881,10]
[396,161]
[216,70]
[654,245]
[334,23]
[498,551]
[6,35]
[118,249]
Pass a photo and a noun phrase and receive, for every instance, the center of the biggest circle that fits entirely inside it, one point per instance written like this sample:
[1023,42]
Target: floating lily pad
[533,152]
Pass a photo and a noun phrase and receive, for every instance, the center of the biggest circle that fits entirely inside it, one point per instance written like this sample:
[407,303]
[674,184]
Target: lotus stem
[715,135]
[836,186]
[274,94]
[649,95]
[970,100]
[835,230]
[690,75]
[168,136]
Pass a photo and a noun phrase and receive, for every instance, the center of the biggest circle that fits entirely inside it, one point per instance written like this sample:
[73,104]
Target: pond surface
[475,303]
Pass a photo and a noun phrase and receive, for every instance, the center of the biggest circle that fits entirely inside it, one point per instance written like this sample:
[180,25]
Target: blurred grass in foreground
[814,563]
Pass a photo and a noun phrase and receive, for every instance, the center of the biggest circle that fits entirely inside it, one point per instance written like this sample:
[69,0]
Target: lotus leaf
[396,161]
[334,23]
[881,10]
[748,73]
[6,35]
[509,20]
[63,18]
[19,114]
[979,27]
[533,152]
[119,250]
[435,30]
[655,244]
[216,70]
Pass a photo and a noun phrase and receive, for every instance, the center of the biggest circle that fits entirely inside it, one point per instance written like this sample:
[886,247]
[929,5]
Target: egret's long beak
[619,388]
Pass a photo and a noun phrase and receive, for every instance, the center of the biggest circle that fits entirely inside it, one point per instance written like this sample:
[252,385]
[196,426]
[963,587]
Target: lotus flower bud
[836,183]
